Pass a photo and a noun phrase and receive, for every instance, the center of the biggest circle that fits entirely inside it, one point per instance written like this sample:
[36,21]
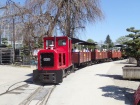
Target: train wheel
[72,69]
[64,74]
[35,76]
[89,63]
[68,72]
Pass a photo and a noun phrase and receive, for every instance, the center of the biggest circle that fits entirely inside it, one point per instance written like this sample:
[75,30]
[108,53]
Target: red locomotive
[57,60]
[54,61]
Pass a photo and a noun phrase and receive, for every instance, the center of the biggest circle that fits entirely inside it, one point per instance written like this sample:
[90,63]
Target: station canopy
[120,45]
[81,42]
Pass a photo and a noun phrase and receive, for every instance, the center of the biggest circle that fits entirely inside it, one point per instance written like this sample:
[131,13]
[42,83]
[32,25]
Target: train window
[60,60]
[69,44]
[62,42]
[64,59]
[49,42]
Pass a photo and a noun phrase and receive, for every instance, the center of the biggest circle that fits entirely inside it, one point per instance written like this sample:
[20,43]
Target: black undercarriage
[43,76]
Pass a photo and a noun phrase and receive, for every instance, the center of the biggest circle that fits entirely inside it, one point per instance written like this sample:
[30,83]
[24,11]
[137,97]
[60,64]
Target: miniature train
[57,60]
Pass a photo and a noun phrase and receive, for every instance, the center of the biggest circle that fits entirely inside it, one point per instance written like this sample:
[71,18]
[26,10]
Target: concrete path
[10,73]
[100,84]
[11,77]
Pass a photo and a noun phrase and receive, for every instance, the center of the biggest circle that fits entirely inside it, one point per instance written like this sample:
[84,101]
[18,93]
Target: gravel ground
[100,84]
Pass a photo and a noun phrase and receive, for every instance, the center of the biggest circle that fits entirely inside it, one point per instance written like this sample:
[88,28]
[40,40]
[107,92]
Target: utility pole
[0,33]
[13,40]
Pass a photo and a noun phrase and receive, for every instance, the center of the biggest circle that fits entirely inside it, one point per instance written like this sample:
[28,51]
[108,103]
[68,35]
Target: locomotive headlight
[46,59]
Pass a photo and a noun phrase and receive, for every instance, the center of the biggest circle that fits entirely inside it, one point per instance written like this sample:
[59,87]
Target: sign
[46,59]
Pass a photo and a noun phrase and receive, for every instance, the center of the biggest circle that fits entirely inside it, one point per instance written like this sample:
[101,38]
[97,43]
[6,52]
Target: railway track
[40,96]
[25,93]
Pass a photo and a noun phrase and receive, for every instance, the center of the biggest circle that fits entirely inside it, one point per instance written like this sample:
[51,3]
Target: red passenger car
[99,56]
[114,54]
[81,58]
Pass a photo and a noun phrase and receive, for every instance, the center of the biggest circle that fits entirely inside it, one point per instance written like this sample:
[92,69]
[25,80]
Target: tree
[4,41]
[66,15]
[90,41]
[39,18]
[109,42]
[91,46]
[122,39]
[133,45]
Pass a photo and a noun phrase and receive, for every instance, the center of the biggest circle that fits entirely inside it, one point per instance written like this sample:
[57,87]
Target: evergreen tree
[4,41]
[109,42]
[133,45]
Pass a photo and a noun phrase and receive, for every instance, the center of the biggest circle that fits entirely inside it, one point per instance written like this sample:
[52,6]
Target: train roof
[81,42]
[119,45]
[78,41]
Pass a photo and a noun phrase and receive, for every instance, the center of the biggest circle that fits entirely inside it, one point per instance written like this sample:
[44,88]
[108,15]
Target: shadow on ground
[127,63]
[30,79]
[118,77]
[119,93]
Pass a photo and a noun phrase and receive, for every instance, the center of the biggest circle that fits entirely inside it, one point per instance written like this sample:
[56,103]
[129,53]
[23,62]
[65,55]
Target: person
[64,43]
[75,50]
[87,50]
[84,50]
[90,50]
[72,50]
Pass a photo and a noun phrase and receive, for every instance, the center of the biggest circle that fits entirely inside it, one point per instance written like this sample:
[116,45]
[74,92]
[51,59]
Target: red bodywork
[54,60]
[79,58]
[98,55]
[114,54]
[137,97]
[58,51]
[104,55]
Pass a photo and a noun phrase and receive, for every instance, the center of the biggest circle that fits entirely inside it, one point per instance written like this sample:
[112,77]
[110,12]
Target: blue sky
[119,15]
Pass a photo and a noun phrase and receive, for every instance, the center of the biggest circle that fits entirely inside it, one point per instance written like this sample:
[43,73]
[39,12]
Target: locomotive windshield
[49,43]
[62,42]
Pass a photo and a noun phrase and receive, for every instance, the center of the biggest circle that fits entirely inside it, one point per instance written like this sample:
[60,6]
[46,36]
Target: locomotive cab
[54,60]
